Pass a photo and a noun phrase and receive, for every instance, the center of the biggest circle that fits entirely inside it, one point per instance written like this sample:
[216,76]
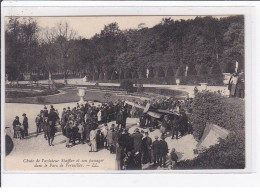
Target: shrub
[212,80]
[108,75]
[160,72]
[101,76]
[169,72]
[180,72]
[127,85]
[203,70]
[151,73]
[121,75]
[40,100]
[191,70]
[128,74]
[228,113]
[142,72]
[134,74]
[96,75]
[215,69]
[114,76]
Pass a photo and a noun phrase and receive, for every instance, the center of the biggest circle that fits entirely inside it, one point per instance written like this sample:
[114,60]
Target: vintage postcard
[109,93]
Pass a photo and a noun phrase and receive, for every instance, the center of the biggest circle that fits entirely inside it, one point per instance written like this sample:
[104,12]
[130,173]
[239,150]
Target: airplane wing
[135,105]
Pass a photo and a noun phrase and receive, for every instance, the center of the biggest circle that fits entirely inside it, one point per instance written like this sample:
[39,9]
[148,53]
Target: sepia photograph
[124,93]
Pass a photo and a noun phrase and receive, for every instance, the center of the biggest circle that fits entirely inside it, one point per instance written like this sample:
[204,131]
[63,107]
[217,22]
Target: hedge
[212,80]
[24,94]
[228,113]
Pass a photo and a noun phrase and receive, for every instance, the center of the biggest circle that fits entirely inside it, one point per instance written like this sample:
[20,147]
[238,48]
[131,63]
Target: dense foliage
[127,85]
[228,113]
[206,45]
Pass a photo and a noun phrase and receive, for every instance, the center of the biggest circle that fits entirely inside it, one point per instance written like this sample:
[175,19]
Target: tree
[180,72]
[191,70]
[169,72]
[203,70]
[114,76]
[134,74]
[233,40]
[229,68]
[63,39]
[22,42]
[101,76]
[96,76]
[107,75]
[215,69]
[151,73]
[142,72]
[128,74]
[160,72]
[122,75]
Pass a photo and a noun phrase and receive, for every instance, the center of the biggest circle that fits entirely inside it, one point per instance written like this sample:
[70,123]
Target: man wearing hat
[156,151]
[163,147]
[146,148]
[137,138]
[126,141]
[25,125]
[45,112]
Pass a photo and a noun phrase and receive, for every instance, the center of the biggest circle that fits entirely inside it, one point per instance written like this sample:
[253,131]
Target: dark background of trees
[206,45]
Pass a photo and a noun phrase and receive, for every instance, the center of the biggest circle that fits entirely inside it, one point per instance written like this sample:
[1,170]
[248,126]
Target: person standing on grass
[25,125]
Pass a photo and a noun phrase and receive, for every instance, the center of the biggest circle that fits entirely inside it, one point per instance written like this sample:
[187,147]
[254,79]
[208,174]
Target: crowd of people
[88,124]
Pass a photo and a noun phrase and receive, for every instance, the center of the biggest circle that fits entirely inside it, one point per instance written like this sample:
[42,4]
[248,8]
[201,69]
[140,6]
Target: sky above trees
[87,27]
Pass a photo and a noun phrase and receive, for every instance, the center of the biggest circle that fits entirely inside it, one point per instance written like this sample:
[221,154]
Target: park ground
[35,147]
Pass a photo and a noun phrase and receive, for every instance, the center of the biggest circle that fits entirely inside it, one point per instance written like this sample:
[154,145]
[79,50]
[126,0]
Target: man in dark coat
[126,141]
[156,150]
[119,119]
[137,139]
[25,125]
[45,112]
[183,123]
[146,149]
[119,157]
[130,162]
[163,147]
[124,117]
[175,127]
[52,118]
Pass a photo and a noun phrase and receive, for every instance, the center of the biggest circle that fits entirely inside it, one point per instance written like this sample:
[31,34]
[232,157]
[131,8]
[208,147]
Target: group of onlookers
[88,123]
[20,129]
